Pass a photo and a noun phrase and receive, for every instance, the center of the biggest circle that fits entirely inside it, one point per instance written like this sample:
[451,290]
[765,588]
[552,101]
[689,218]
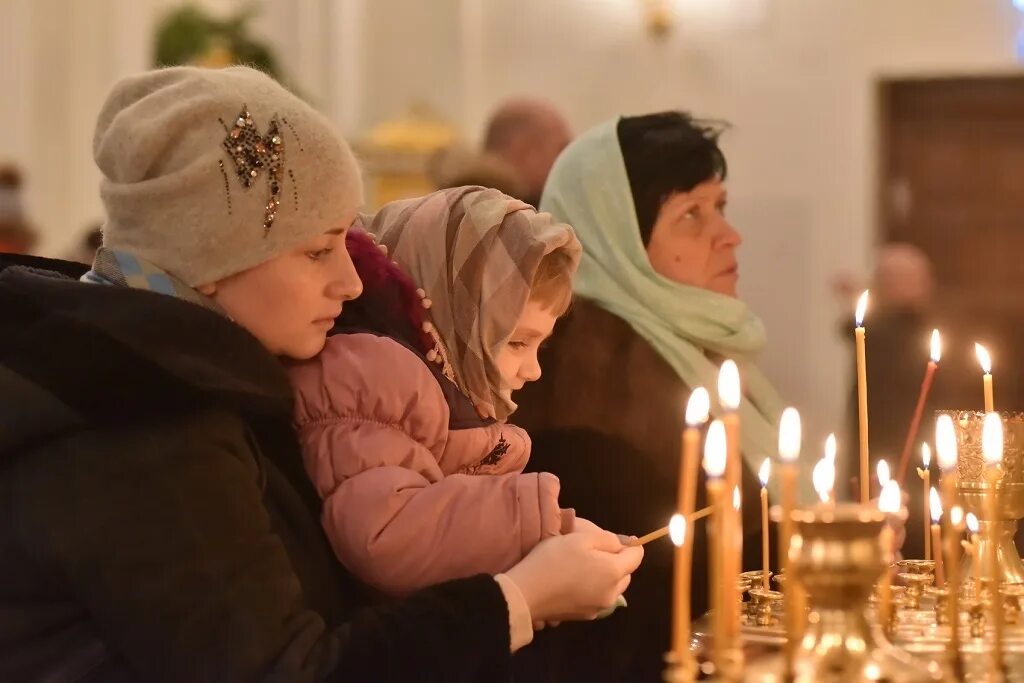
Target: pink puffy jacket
[411,497]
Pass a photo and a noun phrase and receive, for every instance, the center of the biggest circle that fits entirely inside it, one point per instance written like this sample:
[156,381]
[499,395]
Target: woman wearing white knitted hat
[157,523]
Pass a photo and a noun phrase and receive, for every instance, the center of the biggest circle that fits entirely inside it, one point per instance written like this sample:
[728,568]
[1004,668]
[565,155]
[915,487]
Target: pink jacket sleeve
[373,424]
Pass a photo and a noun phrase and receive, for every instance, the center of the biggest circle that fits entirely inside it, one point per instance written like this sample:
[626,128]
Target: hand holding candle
[862,394]
[922,398]
[985,360]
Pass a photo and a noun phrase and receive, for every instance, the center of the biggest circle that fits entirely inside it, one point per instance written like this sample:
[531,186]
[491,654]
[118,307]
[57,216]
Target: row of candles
[721,463]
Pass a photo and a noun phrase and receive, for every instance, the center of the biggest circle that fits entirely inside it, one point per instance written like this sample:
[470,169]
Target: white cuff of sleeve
[520,623]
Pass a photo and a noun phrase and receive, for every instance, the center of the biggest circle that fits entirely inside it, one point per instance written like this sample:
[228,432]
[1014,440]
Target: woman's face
[692,243]
[290,302]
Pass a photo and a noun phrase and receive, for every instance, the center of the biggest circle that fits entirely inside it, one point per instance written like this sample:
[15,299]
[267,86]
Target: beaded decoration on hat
[253,153]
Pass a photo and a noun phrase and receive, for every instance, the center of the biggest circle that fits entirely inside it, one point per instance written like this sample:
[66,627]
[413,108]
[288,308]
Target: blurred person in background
[458,166]
[899,324]
[17,235]
[528,135]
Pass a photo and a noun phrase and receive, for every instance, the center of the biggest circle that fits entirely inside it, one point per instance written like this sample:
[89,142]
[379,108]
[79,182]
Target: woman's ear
[209,289]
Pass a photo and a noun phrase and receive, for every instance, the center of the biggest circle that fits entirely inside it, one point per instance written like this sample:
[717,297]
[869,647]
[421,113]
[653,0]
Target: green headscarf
[588,188]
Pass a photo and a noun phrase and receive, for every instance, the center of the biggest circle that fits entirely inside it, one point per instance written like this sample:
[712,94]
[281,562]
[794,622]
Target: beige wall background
[795,78]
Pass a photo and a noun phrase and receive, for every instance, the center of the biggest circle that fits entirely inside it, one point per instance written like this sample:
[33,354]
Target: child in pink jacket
[402,416]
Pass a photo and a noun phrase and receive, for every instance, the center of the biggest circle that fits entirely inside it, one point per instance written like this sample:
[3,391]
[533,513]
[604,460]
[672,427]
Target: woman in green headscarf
[655,314]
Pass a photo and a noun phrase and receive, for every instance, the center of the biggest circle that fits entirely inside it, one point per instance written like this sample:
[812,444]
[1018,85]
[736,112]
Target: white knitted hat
[209,172]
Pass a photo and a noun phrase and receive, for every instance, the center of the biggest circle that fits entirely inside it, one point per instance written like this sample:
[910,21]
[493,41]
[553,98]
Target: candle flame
[862,308]
[891,499]
[714,450]
[936,346]
[697,407]
[992,439]
[824,478]
[729,385]
[830,447]
[935,505]
[984,359]
[956,515]
[789,435]
[945,442]
[677,529]
[736,498]
[765,471]
[883,473]
[972,522]
[926,455]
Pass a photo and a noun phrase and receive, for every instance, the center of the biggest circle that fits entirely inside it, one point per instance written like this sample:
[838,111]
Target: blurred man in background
[528,135]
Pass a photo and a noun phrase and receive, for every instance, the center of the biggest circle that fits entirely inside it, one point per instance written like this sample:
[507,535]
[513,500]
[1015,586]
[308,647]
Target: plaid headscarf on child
[475,252]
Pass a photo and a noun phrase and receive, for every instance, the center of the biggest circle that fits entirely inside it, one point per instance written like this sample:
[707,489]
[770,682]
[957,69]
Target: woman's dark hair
[665,153]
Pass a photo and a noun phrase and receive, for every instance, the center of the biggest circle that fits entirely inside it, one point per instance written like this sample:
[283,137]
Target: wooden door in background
[952,183]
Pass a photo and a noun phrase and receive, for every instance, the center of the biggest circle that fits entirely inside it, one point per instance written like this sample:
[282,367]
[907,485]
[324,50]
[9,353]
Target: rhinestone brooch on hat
[253,154]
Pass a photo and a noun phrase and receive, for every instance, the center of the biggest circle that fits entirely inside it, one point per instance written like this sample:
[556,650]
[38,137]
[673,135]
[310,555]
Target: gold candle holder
[765,606]
[838,560]
[1011,603]
[973,488]
[915,583]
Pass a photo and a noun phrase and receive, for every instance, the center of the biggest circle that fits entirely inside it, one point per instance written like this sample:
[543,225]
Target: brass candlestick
[973,488]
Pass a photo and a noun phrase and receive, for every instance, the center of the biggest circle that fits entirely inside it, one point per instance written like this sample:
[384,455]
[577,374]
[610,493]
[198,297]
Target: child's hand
[575,576]
[585,526]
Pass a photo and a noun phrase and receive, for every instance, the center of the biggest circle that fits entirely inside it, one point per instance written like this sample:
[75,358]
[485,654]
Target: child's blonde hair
[552,282]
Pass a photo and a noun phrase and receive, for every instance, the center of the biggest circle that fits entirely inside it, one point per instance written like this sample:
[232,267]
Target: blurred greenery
[190,35]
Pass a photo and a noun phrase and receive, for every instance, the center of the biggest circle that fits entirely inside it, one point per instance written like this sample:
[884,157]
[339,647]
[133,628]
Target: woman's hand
[575,576]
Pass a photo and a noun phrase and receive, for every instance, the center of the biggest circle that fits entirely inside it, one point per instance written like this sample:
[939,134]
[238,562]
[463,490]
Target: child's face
[517,360]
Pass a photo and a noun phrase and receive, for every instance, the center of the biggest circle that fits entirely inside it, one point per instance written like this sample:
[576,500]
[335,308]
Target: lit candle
[985,360]
[681,587]
[789,451]
[922,398]
[862,394]
[729,396]
[824,479]
[926,479]
[992,452]
[882,474]
[724,582]
[763,474]
[946,459]
[888,502]
[936,509]
[971,548]
[696,415]
[953,523]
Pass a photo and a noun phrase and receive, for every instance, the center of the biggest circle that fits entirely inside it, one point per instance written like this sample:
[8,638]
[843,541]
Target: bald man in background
[527,135]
